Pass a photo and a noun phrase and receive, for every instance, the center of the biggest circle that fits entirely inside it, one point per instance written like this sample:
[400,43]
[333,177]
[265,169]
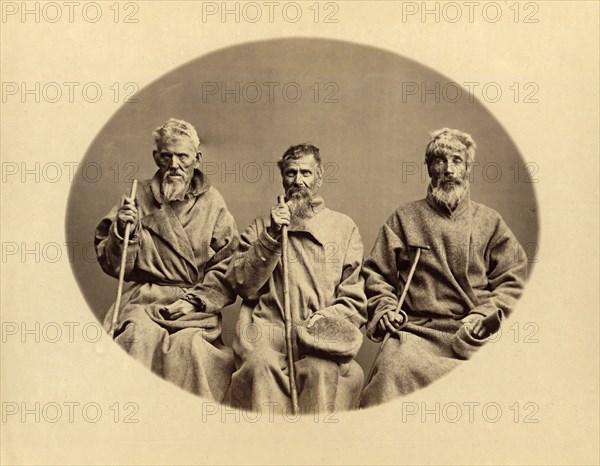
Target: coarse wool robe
[178,249]
[475,265]
[325,255]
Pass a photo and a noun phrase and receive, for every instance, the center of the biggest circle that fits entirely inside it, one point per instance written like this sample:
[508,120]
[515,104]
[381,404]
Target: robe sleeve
[350,300]
[381,278]
[254,262]
[507,272]
[109,246]
[214,292]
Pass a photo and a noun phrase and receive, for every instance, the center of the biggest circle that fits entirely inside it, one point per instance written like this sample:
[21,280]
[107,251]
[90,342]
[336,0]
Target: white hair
[175,129]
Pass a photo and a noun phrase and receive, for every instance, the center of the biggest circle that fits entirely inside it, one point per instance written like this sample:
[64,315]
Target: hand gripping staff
[287,313]
[411,272]
[117,308]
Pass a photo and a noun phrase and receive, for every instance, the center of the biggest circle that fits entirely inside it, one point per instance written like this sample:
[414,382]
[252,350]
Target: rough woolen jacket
[474,263]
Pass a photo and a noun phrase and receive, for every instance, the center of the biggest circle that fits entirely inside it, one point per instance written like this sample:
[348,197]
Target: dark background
[372,140]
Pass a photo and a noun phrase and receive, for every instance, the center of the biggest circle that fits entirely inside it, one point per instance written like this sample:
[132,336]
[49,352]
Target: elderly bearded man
[325,255]
[473,268]
[182,238]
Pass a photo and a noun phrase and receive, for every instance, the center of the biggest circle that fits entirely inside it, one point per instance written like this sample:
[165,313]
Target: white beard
[174,189]
[450,195]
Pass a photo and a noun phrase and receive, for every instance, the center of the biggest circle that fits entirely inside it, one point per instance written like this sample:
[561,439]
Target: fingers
[391,322]
[167,309]
[479,330]
[396,319]
[313,319]
[389,326]
[127,212]
[183,306]
[280,216]
[282,213]
[283,208]
[126,200]
[127,216]
[178,309]
[476,327]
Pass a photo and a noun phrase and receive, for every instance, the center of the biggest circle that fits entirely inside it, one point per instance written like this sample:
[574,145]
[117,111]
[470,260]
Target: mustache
[174,172]
[449,182]
[451,179]
[299,190]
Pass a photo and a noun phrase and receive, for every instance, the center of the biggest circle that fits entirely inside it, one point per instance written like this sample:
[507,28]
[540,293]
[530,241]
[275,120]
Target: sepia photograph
[187,261]
[299,232]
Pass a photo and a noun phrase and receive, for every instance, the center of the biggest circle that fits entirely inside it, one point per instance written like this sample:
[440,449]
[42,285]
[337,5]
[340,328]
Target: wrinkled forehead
[177,144]
[304,162]
[451,154]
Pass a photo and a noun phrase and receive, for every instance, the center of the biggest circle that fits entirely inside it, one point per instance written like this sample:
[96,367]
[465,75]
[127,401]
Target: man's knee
[314,366]
[137,331]
[353,371]
[260,362]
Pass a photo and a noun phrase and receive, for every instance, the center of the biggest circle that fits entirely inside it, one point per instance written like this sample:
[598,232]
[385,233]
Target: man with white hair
[182,237]
[471,272]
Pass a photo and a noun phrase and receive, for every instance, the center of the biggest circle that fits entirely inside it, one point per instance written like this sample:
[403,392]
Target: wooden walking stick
[126,235]
[411,272]
[287,314]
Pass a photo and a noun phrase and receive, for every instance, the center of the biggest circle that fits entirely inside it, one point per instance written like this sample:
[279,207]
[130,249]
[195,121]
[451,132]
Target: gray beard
[300,204]
[174,190]
[449,196]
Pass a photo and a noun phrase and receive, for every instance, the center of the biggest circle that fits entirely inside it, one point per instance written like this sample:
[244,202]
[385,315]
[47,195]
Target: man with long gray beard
[326,291]
[182,238]
[471,272]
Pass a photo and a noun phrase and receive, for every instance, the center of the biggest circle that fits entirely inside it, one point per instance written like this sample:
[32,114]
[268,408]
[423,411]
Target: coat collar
[200,184]
[443,209]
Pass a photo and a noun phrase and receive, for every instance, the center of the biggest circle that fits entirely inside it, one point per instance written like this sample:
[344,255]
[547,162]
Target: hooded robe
[178,249]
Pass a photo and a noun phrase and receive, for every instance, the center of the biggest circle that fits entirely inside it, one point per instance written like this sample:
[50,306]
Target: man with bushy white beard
[181,240]
[470,273]
[326,295]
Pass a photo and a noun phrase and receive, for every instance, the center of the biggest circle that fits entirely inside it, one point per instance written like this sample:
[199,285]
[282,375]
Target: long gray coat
[325,257]
[178,248]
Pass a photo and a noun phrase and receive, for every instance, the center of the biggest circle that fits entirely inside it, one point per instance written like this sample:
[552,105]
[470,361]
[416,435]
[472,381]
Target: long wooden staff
[287,313]
[117,308]
[399,307]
